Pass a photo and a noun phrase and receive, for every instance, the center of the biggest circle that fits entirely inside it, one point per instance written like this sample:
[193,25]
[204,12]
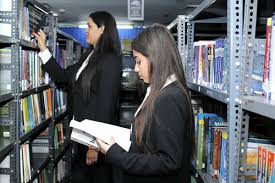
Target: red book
[259,165]
[267,55]
[270,165]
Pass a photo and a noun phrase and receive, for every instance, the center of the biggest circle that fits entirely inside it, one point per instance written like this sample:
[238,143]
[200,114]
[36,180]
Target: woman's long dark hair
[108,43]
[157,44]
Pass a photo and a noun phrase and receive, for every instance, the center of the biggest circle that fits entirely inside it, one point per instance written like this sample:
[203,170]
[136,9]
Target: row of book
[212,145]
[29,18]
[24,22]
[60,101]
[32,75]
[25,163]
[269,60]
[42,177]
[35,109]
[58,135]
[210,64]
[265,164]
[61,56]
[258,67]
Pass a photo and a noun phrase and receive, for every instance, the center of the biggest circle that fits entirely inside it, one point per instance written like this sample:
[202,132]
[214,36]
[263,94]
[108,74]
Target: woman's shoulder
[172,93]
[172,89]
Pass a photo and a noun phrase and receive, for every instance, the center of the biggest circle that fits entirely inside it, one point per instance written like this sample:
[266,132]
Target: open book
[86,131]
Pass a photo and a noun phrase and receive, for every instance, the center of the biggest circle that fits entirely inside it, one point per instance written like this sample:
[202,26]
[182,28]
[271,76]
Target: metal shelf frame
[6,97]
[14,97]
[239,53]
[6,40]
[66,36]
[215,94]
[39,89]
[259,105]
[6,151]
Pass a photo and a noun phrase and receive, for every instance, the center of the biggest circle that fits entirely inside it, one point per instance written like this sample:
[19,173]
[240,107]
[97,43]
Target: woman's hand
[91,156]
[40,36]
[103,146]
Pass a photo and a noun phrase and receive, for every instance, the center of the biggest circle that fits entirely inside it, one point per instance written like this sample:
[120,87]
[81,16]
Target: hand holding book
[41,37]
[104,147]
[88,131]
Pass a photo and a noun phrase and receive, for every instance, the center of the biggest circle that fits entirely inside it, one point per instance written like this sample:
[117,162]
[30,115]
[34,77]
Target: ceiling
[155,11]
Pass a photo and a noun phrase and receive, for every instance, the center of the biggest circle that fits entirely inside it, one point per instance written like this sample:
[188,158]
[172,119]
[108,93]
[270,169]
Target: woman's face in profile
[93,32]
[142,66]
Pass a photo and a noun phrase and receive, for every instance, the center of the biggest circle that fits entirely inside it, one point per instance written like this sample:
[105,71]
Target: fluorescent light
[83,26]
[124,26]
[41,9]
[121,26]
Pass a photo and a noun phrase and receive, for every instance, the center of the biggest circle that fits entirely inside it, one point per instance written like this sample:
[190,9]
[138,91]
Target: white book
[83,138]
[100,130]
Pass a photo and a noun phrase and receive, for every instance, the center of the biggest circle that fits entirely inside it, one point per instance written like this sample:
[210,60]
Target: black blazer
[170,159]
[105,87]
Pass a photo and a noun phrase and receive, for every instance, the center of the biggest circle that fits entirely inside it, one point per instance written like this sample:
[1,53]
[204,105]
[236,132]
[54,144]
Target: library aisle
[227,49]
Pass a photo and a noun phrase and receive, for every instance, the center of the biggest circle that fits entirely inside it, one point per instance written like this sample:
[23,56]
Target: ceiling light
[124,26]
[83,26]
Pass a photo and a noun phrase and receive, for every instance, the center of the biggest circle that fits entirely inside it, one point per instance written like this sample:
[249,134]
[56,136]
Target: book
[87,130]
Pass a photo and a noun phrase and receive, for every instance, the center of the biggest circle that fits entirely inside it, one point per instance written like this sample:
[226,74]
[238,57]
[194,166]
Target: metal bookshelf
[37,172]
[259,105]
[72,46]
[6,40]
[241,19]
[11,147]
[64,35]
[28,44]
[234,11]
[6,97]
[206,178]
[39,89]
[215,94]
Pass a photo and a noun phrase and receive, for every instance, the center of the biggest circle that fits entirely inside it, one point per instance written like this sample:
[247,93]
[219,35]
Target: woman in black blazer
[93,84]
[163,131]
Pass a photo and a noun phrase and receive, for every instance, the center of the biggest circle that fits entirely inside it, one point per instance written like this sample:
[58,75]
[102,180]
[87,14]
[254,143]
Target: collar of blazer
[169,80]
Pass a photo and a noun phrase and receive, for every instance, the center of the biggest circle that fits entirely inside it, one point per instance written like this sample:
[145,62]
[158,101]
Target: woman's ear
[101,28]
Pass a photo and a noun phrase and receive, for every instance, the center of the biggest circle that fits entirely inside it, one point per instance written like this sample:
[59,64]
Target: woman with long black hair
[93,84]
[163,131]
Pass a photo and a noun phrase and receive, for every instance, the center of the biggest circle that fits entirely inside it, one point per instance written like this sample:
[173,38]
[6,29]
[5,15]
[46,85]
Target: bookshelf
[232,20]
[12,46]
[6,39]
[206,178]
[244,22]
[6,97]
[215,94]
[259,105]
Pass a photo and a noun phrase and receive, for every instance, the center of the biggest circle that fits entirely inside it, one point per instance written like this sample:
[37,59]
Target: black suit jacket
[170,159]
[105,87]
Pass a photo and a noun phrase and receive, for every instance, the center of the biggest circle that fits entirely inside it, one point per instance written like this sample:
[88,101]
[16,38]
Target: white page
[104,132]
[83,138]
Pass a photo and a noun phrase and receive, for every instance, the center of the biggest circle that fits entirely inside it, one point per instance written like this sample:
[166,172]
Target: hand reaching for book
[103,146]
[40,36]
